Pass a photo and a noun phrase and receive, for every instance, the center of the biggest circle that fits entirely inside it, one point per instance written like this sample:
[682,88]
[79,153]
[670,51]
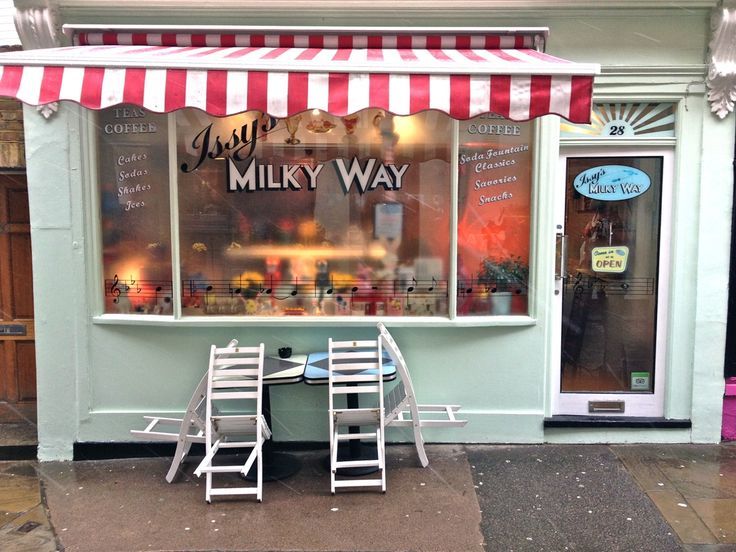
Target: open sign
[610,259]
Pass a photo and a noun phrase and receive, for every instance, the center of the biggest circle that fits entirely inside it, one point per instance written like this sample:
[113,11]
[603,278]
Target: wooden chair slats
[355,369]
[229,361]
[184,431]
[246,373]
[241,390]
[355,366]
[402,409]
[365,344]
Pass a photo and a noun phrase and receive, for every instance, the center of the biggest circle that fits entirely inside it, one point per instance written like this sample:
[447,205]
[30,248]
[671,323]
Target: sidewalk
[470,498]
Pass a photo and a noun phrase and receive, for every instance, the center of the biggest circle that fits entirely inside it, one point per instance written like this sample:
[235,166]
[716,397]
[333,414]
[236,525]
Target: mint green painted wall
[146,369]
[711,297]
[59,284]
[669,36]
[97,380]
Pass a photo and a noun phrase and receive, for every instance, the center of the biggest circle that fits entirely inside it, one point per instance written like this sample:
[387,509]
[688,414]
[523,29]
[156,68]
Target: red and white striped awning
[224,71]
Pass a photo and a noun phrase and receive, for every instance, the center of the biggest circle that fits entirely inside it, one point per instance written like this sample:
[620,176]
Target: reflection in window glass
[494,202]
[314,215]
[609,304]
[133,182]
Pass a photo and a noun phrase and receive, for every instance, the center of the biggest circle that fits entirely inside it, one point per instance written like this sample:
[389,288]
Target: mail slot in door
[12,329]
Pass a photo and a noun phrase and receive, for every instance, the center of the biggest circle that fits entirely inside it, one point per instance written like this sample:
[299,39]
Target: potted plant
[502,278]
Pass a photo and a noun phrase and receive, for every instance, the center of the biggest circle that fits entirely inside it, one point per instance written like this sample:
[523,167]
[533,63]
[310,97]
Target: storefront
[544,237]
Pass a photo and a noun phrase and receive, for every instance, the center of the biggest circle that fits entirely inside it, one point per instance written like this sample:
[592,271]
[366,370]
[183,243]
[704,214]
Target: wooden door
[17,347]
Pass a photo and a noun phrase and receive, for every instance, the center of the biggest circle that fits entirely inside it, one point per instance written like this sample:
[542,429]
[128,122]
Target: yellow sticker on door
[610,259]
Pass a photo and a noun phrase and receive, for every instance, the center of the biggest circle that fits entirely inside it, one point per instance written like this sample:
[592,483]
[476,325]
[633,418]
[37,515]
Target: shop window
[133,187]
[314,215]
[494,206]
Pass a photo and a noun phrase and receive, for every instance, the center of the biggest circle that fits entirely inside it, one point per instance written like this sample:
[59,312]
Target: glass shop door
[611,282]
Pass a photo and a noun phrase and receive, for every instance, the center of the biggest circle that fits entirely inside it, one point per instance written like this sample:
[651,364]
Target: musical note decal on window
[138,296]
[114,289]
[580,283]
[341,295]
[338,294]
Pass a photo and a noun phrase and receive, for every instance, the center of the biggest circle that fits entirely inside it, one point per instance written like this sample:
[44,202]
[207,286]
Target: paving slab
[24,524]
[694,487]
[683,519]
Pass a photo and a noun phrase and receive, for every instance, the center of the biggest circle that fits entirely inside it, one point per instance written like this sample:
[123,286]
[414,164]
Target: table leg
[276,465]
[355,449]
[355,444]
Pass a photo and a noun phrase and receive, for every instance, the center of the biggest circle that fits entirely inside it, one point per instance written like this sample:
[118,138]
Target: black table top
[281,371]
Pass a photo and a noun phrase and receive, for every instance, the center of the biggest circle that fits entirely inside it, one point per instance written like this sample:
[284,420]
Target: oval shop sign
[612,182]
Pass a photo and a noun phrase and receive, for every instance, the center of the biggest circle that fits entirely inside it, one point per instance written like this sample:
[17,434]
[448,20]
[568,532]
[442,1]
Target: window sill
[301,321]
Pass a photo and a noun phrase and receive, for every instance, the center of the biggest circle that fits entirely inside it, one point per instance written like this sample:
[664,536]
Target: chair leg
[260,475]
[208,487]
[333,460]
[182,449]
[381,445]
[419,443]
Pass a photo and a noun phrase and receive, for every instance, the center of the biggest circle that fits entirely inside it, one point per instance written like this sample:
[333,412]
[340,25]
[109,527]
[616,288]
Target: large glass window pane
[494,205]
[314,215]
[133,180]
[612,219]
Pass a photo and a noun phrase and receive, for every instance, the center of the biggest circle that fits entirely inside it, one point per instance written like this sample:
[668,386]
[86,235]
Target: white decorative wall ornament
[721,79]
[37,24]
[47,110]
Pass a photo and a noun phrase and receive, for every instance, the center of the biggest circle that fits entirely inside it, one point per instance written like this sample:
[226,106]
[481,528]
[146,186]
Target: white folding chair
[184,431]
[234,417]
[401,401]
[355,371]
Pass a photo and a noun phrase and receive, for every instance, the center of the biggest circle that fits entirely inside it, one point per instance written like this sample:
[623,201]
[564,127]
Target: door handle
[561,260]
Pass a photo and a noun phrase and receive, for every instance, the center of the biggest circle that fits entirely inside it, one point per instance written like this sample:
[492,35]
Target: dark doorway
[17,335]
[730,364]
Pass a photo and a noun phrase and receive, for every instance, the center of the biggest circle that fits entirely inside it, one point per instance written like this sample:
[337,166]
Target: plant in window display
[501,278]
[504,274]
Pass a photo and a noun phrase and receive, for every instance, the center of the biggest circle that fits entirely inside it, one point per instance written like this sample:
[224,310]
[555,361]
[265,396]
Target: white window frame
[177,319]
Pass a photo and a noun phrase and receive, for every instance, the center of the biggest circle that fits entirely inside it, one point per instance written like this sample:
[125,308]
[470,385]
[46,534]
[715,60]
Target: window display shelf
[312,321]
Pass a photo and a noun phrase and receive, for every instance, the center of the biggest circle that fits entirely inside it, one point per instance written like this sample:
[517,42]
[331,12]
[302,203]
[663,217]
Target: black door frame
[729,367]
